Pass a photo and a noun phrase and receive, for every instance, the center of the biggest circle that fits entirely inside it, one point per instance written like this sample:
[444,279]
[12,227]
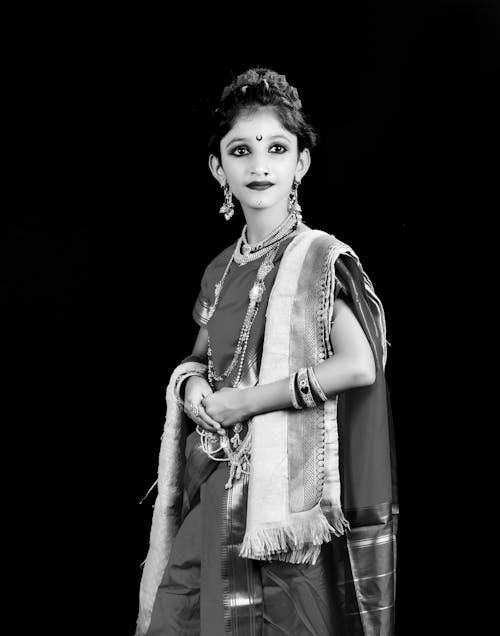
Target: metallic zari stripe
[242,596]
[242,588]
[306,432]
[373,564]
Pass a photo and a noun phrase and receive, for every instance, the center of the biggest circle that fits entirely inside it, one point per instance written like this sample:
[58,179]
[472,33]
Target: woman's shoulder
[220,260]
[324,240]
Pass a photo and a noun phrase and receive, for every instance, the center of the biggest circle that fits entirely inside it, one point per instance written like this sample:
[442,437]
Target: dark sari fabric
[207,588]
[267,598]
[368,477]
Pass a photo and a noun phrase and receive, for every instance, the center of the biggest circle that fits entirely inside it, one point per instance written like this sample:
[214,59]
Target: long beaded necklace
[255,296]
[235,451]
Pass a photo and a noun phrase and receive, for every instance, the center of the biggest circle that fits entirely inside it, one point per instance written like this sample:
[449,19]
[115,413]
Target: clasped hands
[215,411]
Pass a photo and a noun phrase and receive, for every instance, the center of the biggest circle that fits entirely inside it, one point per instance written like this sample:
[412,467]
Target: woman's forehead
[265,120]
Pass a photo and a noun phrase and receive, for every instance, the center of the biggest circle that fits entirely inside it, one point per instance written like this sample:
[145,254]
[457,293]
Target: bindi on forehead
[257,127]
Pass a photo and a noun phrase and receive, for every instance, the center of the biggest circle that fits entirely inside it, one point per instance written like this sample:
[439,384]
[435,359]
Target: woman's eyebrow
[245,139]
[231,141]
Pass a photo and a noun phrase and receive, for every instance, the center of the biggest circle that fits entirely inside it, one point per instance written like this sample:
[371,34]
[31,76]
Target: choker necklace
[252,247]
[244,252]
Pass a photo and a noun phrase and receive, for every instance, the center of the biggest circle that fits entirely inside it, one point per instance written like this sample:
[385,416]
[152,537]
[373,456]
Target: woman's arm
[201,344]
[352,365]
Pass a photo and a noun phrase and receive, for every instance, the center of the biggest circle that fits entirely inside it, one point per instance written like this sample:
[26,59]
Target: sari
[205,586]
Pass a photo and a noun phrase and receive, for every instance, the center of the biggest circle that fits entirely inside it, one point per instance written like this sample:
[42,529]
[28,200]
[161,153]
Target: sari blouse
[225,325]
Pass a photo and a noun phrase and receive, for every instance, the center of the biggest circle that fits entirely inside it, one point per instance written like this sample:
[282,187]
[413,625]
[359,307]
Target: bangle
[293,393]
[315,385]
[304,388]
[179,385]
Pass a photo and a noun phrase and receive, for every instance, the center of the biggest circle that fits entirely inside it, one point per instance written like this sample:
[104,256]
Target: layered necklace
[244,253]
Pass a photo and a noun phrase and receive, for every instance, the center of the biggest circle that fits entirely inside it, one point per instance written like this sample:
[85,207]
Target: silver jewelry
[314,383]
[293,203]
[195,410]
[293,394]
[304,388]
[259,137]
[245,252]
[248,248]
[238,459]
[236,439]
[227,208]
[255,296]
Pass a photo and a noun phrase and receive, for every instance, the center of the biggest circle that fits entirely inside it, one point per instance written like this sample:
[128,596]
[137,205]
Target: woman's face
[259,160]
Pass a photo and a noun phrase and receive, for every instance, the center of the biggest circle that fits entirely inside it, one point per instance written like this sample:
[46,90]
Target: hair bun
[255,88]
[264,79]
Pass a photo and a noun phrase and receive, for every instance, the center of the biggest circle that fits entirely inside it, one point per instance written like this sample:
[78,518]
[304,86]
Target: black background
[110,216]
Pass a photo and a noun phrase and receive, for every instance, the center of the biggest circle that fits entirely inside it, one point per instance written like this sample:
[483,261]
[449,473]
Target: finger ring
[195,410]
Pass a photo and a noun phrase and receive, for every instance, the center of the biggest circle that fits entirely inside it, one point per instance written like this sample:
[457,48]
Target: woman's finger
[209,421]
[193,412]
[198,415]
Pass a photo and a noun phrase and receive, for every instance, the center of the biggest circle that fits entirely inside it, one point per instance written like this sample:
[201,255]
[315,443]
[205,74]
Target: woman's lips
[259,186]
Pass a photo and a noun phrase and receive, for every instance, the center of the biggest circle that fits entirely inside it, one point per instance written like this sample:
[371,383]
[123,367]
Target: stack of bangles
[305,390]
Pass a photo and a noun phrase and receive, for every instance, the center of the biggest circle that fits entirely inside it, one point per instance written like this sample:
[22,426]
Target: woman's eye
[240,151]
[278,149]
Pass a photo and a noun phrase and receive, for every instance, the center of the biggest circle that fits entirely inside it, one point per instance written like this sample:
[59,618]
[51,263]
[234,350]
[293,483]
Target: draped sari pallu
[309,468]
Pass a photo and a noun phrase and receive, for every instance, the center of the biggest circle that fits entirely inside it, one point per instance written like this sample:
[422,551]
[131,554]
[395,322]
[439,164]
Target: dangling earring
[227,208]
[293,203]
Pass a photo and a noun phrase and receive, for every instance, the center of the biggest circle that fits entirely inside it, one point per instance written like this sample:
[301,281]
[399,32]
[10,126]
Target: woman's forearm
[336,374]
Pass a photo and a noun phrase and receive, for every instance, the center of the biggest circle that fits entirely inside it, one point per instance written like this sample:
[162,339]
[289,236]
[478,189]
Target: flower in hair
[270,79]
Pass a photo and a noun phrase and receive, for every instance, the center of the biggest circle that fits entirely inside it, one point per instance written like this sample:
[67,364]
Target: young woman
[276,509]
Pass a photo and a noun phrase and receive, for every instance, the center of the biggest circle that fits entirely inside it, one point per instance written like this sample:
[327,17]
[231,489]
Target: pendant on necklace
[246,249]
[264,269]
[256,292]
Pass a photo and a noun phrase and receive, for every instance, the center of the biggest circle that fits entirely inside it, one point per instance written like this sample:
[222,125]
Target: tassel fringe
[297,544]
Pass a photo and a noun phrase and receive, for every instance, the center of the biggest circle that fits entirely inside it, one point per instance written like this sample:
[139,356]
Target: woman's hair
[255,88]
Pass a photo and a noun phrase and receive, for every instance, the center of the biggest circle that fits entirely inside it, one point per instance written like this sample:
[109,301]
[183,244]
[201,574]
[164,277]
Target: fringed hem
[296,544]
[306,555]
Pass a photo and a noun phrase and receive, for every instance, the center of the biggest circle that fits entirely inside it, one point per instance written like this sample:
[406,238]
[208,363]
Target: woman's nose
[258,170]
[259,166]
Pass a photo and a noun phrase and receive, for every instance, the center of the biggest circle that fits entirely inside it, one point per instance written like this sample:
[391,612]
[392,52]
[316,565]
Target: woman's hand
[197,388]
[228,406]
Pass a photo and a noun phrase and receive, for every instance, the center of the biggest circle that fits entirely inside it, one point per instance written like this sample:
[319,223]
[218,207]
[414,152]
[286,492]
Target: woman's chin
[259,203]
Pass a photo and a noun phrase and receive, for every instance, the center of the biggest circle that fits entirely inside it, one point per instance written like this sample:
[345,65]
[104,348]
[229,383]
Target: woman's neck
[260,223]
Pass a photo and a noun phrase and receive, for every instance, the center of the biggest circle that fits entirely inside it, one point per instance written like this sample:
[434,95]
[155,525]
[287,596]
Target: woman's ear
[216,169]
[303,164]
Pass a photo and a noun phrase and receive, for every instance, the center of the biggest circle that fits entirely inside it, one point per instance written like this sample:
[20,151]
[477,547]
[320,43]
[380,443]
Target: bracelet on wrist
[304,388]
[315,386]
[292,387]
[179,385]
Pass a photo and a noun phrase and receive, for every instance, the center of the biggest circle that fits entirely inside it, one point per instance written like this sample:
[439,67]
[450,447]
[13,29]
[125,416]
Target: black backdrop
[111,216]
